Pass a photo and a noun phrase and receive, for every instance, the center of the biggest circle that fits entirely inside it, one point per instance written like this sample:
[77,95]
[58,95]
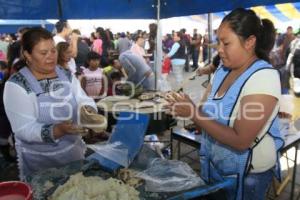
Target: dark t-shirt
[13,52]
[4,123]
[83,50]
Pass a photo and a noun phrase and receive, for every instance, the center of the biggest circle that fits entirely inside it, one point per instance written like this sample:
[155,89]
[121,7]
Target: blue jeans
[257,184]
[149,83]
[195,58]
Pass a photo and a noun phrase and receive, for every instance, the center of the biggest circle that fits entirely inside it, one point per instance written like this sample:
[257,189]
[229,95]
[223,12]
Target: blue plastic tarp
[12,26]
[119,9]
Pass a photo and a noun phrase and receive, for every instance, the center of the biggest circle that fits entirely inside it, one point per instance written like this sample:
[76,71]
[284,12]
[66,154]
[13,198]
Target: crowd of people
[47,80]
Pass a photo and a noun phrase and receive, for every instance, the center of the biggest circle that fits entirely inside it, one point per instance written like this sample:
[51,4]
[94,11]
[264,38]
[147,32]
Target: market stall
[150,103]
[144,176]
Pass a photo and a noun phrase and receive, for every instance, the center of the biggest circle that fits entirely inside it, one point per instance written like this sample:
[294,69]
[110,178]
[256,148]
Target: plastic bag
[169,176]
[116,152]
[164,85]
[166,66]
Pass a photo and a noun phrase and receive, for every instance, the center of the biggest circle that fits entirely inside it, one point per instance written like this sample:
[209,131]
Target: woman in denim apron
[238,122]
[42,102]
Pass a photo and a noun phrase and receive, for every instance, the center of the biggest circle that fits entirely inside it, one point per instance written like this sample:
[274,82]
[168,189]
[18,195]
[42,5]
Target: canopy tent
[12,26]
[122,9]
[278,13]
[119,9]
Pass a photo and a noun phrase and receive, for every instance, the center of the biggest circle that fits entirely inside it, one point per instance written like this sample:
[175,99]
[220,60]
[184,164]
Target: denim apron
[219,161]
[54,106]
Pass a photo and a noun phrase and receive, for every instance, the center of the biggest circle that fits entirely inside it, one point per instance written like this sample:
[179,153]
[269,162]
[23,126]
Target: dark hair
[22,30]
[60,25]
[105,39]
[122,35]
[99,29]
[179,34]
[93,35]
[3,64]
[136,37]
[153,29]
[112,61]
[93,56]
[14,49]
[61,48]
[115,75]
[102,33]
[33,36]
[77,31]
[246,23]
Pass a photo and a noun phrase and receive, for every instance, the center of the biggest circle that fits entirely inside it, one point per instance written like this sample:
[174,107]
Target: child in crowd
[114,80]
[92,79]
[114,65]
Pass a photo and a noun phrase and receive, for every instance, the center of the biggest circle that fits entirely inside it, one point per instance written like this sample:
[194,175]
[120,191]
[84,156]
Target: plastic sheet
[169,176]
[58,176]
[129,133]
[116,152]
[164,85]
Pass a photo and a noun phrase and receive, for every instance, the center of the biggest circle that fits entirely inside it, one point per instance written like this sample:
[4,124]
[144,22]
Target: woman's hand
[66,128]
[90,109]
[180,105]
[199,71]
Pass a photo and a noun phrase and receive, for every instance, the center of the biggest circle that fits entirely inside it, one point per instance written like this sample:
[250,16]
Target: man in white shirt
[64,34]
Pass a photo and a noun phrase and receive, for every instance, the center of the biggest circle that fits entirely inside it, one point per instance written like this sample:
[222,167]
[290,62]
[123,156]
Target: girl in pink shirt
[92,80]
[96,43]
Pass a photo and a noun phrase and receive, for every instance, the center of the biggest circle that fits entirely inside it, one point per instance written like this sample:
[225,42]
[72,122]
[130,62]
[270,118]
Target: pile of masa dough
[79,187]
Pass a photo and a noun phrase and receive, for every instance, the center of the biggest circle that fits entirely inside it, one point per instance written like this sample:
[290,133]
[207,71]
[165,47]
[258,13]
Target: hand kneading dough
[92,120]
[79,187]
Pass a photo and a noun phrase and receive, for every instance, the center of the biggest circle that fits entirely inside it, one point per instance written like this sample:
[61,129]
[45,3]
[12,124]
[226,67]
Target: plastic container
[152,139]
[15,190]
[166,152]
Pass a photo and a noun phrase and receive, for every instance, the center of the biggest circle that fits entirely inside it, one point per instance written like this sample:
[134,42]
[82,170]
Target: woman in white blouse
[42,103]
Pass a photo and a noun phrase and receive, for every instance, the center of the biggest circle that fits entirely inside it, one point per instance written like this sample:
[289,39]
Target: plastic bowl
[15,190]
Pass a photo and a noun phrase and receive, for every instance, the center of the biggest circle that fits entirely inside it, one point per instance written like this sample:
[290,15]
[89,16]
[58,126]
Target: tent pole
[209,28]
[43,23]
[60,17]
[158,49]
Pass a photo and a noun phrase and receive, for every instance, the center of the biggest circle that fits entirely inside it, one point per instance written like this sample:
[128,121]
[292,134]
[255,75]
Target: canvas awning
[119,9]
